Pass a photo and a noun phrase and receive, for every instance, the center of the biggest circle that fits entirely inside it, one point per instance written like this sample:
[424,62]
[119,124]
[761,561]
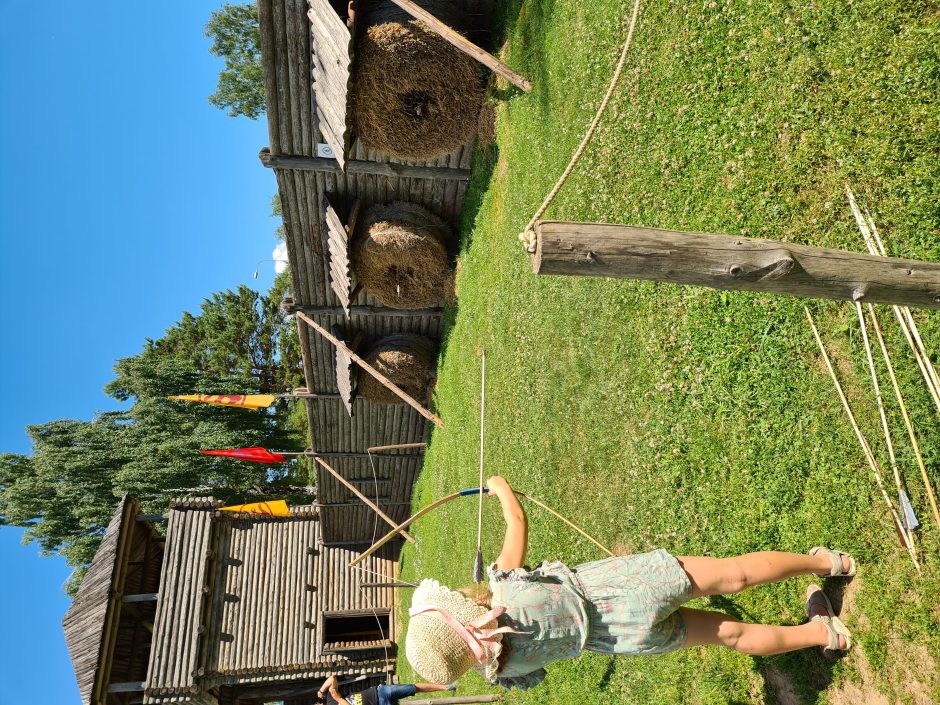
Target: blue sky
[125,199]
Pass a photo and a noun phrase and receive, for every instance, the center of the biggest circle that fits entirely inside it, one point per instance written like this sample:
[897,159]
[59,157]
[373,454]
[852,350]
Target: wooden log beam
[362,311]
[464,44]
[152,517]
[457,700]
[385,381]
[358,166]
[134,687]
[368,502]
[142,597]
[736,263]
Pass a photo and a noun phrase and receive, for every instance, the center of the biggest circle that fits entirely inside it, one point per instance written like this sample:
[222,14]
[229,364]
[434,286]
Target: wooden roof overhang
[105,637]
[332,40]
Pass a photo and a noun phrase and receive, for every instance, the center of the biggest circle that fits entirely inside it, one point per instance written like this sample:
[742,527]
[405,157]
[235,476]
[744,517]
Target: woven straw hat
[434,648]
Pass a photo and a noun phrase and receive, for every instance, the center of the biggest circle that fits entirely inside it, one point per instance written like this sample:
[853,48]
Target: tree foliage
[236,38]
[66,491]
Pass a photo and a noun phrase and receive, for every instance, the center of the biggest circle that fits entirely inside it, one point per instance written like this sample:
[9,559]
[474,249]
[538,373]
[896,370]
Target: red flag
[255,455]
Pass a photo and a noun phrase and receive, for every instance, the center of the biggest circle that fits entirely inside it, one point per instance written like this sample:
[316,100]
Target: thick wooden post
[464,44]
[356,166]
[727,262]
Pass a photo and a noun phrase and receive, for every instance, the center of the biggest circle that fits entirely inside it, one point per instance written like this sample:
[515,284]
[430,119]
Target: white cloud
[280,257]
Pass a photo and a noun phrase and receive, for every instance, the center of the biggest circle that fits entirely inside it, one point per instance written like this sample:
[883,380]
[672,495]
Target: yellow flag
[244,401]
[275,508]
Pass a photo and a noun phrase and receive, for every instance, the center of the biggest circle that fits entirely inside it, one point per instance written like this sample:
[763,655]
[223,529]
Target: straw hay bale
[400,255]
[414,95]
[408,361]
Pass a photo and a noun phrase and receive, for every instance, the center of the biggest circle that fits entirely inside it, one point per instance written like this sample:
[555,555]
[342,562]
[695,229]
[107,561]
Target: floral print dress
[623,605]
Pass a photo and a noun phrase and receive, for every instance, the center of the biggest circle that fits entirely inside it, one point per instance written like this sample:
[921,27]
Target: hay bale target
[400,255]
[414,95]
[408,361]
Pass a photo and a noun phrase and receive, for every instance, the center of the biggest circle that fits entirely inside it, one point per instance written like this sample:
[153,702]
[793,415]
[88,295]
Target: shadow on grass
[800,676]
[527,21]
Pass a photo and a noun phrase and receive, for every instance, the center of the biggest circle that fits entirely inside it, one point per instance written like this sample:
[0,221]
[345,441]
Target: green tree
[64,494]
[240,333]
[236,38]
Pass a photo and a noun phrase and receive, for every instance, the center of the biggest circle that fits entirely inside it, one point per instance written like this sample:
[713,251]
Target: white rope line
[528,236]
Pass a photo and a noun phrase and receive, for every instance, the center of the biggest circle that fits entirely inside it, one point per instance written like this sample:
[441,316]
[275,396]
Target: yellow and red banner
[243,401]
[274,508]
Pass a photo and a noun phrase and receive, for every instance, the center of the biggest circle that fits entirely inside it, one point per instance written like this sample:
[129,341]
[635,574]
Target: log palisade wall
[242,602]
[290,57]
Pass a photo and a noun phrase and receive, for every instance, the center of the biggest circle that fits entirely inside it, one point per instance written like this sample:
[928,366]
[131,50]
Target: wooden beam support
[464,44]
[385,381]
[152,517]
[134,687]
[735,263]
[142,597]
[357,166]
[362,311]
[368,502]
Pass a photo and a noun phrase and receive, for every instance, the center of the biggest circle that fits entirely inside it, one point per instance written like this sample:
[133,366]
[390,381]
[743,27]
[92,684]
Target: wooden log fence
[357,166]
[735,263]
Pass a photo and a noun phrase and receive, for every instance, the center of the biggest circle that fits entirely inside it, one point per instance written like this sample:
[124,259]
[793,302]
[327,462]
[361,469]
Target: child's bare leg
[725,576]
[754,639]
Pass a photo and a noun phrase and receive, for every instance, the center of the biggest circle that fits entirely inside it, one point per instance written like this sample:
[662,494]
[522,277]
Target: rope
[528,236]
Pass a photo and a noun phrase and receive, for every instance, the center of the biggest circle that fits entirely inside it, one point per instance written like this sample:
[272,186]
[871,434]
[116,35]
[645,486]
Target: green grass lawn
[697,420]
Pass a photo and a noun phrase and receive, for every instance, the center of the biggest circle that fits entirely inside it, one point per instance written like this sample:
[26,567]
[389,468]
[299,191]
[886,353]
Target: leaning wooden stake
[368,502]
[385,381]
[875,246]
[869,456]
[884,419]
[907,419]
[396,446]
[464,44]
[726,262]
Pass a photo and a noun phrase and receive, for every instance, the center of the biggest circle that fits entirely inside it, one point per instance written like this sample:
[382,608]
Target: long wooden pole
[889,441]
[354,166]
[866,227]
[385,381]
[726,262]
[368,502]
[464,44]
[395,446]
[907,419]
[869,456]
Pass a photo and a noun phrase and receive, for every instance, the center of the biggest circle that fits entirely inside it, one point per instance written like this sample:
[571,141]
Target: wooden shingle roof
[87,624]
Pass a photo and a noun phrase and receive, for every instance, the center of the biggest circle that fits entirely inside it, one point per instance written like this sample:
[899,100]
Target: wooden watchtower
[226,609]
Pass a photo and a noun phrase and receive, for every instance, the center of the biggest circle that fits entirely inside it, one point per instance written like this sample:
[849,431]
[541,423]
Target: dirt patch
[781,687]
[910,672]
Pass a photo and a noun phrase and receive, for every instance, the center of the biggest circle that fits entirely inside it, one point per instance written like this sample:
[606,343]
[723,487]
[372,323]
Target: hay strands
[869,456]
[464,44]
[908,326]
[383,380]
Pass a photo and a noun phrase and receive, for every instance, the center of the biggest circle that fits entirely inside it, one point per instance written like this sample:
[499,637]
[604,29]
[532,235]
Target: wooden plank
[383,380]
[736,263]
[464,44]
[141,597]
[367,311]
[368,502]
[357,166]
